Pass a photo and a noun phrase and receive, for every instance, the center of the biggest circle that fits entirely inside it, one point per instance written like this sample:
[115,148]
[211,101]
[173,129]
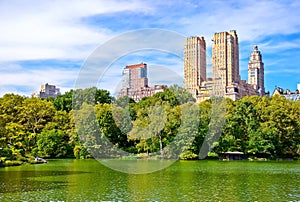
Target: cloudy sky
[51,41]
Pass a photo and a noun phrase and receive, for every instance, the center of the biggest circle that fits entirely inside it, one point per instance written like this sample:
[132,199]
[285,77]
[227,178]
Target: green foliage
[12,163]
[53,143]
[167,123]
[124,101]
[188,155]
[80,152]
[263,127]
[75,98]
[6,152]
[174,95]
[212,155]
[64,102]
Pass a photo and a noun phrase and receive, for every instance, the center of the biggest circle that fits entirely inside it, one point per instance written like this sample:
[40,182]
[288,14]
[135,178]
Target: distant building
[294,96]
[256,72]
[47,91]
[135,83]
[194,64]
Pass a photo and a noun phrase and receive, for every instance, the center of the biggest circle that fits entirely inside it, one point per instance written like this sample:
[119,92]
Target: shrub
[6,152]
[13,163]
[188,155]
[212,155]
[80,152]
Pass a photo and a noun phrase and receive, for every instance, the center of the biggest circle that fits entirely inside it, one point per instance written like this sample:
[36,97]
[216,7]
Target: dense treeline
[164,124]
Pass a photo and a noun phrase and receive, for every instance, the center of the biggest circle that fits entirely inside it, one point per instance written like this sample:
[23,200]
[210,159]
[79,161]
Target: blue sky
[48,41]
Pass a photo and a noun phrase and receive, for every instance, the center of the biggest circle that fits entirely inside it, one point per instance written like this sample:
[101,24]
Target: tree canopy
[169,122]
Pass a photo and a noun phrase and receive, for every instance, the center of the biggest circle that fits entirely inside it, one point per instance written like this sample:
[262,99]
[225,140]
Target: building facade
[256,71]
[194,64]
[225,64]
[47,91]
[135,83]
[135,76]
[226,80]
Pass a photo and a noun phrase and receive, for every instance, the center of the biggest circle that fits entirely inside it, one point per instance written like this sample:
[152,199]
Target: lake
[88,180]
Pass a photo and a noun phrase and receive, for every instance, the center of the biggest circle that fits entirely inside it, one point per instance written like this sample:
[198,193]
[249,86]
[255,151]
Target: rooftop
[141,65]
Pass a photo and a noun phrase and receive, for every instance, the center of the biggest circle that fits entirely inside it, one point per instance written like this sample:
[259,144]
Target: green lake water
[88,180]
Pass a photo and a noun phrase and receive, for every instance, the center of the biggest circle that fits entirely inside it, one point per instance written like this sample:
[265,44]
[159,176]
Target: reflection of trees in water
[26,181]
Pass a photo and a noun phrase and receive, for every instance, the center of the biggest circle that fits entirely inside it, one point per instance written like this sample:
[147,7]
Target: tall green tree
[34,115]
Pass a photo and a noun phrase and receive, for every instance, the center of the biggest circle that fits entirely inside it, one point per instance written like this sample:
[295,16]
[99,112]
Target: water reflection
[26,181]
[88,180]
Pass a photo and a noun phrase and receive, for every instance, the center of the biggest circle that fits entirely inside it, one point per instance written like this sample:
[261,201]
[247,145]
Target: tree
[103,96]
[124,101]
[183,139]
[10,106]
[106,120]
[53,143]
[150,126]
[64,102]
[174,95]
[34,115]
[90,96]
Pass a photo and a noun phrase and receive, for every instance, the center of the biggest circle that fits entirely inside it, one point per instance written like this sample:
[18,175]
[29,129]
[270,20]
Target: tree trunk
[161,147]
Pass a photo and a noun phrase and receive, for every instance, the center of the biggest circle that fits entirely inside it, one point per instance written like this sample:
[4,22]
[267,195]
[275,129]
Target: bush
[212,155]
[13,163]
[35,152]
[6,152]
[188,155]
[80,152]
[22,158]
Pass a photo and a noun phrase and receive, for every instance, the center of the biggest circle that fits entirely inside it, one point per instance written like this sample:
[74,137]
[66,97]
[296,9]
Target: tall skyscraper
[225,64]
[256,71]
[194,64]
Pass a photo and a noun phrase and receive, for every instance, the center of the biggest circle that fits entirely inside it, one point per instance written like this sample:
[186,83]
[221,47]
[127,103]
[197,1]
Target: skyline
[47,42]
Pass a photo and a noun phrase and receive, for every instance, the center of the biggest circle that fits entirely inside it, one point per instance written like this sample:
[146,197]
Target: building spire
[256,71]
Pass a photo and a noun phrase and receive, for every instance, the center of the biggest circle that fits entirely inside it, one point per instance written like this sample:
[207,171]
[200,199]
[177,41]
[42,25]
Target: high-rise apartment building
[256,72]
[194,64]
[225,64]
[135,76]
[226,80]
[135,83]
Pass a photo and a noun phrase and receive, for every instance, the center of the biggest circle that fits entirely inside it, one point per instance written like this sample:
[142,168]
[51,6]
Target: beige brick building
[226,80]
[225,64]
[194,64]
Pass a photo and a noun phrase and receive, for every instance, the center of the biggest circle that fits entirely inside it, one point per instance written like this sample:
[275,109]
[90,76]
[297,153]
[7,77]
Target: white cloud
[53,29]
[60,30]
[275,47]
[251,19]
[31,79]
